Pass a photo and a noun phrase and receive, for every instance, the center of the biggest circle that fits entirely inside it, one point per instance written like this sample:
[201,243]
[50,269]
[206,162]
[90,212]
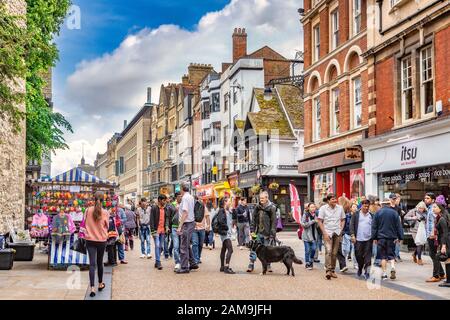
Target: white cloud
[70,158]
[114,86]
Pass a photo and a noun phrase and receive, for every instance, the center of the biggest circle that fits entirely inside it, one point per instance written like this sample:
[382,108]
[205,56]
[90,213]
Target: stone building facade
[12,157]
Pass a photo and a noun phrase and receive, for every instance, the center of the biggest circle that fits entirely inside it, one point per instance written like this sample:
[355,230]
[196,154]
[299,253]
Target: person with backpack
[263,226]
[223,225]
[202,223]
[443,241]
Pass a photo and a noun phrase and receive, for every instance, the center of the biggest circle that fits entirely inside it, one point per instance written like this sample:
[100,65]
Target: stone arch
[333,63]
[353,50]
[315,76]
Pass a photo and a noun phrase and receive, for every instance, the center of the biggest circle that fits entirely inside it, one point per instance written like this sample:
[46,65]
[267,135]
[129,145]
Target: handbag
[79,246]
[421,236]
[279,225]
[122,238]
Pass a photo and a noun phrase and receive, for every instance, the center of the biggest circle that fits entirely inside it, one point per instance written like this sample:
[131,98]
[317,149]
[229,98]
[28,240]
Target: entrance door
[343,184]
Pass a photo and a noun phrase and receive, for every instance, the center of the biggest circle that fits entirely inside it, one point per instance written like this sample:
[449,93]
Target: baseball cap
[386,201]
[392,196]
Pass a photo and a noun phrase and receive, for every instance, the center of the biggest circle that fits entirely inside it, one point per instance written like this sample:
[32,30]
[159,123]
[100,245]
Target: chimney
[185,80]
[149,95]
[225,66]
[239,44]
[125,124]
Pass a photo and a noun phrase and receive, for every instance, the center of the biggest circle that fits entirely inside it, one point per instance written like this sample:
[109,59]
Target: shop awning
[75,175]
[222,188]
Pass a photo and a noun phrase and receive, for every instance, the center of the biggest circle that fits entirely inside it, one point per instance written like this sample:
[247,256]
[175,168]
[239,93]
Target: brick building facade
[335,95]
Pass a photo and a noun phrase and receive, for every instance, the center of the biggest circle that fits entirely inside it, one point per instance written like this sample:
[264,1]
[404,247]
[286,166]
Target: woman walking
[225,222]
[443,240]
[309,235]
[97,222]
[417,217]
[130,225]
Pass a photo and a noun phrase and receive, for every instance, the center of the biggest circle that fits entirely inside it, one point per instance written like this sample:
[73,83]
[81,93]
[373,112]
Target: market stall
[59,204]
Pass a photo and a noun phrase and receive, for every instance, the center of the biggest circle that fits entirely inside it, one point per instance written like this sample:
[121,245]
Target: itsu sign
[408,155]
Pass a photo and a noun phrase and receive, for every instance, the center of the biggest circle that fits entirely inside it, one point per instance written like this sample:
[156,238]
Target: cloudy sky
[121,49]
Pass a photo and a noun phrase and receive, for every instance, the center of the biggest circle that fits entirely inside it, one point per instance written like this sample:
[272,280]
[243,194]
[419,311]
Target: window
[215,102]
[159,154]
[394,2]
[235,92]
[357,103]
[316,119]
[316,39]
[206,138]
[171,153]
[407,90]
[426,80]
[206,110]
[335,111]
[334,29]
[356,16]
[121,165]
[216,128]
[227,101]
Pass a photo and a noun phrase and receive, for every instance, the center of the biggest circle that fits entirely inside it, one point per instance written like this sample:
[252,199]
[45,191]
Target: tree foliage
[31,53]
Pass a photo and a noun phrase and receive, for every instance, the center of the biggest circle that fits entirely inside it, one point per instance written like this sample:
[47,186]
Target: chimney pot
[239,44]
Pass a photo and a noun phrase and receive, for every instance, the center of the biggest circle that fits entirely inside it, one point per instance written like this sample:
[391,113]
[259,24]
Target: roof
[270,118]
[136,118]
[293,104]
[266,52]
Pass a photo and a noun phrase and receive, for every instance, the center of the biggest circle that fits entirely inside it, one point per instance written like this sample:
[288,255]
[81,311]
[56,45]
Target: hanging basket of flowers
[256,188]
[237,191]
[274,186]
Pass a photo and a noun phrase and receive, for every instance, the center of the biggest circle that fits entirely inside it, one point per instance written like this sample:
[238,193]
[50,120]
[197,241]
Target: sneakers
[344,269]
[182,271]
[393,274]
[228,270]
[241,248]
[177,266]
[317,261]
[366,276]
[309,266]
[444,285]
[250,267]
[158,266]
[384,276]
[149,256]
[143,256]
[193,267]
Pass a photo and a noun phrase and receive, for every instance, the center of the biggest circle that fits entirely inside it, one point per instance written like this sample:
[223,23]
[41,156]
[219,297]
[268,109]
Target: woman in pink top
[97,222]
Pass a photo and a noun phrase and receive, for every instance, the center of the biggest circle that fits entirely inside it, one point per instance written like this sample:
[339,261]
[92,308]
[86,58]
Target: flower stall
[59,206]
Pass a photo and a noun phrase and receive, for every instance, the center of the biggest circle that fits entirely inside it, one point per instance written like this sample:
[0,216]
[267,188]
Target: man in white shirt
[185,230]
[331,221]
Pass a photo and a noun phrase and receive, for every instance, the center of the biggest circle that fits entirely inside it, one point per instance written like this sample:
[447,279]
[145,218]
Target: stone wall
[12,158]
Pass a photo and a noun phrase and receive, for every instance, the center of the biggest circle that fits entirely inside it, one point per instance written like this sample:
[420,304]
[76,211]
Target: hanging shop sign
[287,167]
[248,179]
[348,156]
[206,191]
[233,180]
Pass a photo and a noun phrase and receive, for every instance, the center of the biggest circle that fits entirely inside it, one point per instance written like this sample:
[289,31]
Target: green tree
[29,53]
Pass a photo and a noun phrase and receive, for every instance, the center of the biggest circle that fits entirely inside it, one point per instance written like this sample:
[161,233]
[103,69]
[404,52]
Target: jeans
[95,250]
[264,241]
[144,235]
[186,255]
[438,271]
[210,238]
[243,233]
[310,251]
[346,245]
[121,251]
[319,244]
[166,246]
[159,240]
[176,245]
[198,237]
[331,252]
[397,250]
[375,254]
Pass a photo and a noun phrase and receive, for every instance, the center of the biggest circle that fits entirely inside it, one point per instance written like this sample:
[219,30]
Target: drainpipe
[380,15]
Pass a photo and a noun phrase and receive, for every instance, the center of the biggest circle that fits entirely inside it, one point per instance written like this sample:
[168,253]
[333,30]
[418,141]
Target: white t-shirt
[187,204]
[332,218]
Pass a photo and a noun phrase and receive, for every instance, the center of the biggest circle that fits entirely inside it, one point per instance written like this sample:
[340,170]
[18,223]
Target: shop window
[407,89]
[316,119]
[426,79]
[335,111]
[323,184]
[334,29]
[357,103]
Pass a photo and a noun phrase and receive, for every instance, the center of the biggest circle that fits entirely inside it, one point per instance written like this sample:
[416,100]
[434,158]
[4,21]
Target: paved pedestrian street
[140,280]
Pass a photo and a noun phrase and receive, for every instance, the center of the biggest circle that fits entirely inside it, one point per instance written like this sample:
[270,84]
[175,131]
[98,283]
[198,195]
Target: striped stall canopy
[76,175]
[62,255]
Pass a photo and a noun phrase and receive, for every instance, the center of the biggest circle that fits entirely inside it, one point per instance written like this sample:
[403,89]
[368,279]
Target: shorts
[386,249]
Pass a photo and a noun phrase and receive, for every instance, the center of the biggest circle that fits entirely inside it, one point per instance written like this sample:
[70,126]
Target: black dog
[268,254]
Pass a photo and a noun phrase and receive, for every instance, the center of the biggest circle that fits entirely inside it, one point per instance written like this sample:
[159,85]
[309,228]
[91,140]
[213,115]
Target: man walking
[264,225]
[243,223]
[198,237]
[159,224]
[438,271]
[143,213]
[361,236]
[386,231]
[331,221]
[174,218]
[185,229]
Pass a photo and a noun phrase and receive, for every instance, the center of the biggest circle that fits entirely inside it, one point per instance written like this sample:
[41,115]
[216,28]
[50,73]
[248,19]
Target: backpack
[199,211]
[215,224]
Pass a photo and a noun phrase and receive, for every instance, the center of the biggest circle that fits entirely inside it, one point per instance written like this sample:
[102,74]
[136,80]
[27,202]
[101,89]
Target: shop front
[340,173]
[250,184]
[410,163]
[222,189]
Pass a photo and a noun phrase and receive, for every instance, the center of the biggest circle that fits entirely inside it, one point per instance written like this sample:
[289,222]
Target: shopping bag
[79,246]
[421,236]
